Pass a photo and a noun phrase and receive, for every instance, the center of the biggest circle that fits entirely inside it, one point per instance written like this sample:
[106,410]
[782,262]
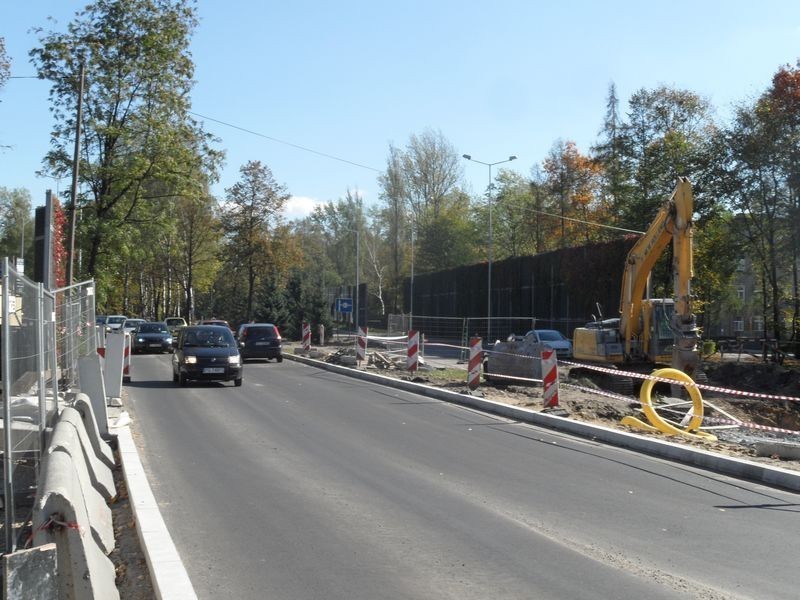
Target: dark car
[206,353]
[260,340]
[152,336]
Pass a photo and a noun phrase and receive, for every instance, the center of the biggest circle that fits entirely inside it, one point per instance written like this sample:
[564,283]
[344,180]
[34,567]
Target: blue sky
[348,78]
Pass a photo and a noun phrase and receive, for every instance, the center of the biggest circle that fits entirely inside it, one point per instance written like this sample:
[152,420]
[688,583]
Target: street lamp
[489,284]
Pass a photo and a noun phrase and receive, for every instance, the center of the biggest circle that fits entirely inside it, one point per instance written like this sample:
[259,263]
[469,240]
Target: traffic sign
[344,305]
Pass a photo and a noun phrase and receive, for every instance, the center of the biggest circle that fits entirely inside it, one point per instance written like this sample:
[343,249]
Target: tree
[664,138]
[573,180]
[251,214]
[139,144]
[16,224]
[5,63]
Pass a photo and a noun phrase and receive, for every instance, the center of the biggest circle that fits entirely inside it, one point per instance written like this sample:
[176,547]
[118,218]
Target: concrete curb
[169,576]
[728,465]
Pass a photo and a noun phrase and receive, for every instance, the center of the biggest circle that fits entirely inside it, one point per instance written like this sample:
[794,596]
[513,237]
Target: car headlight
[140,340]
[190,360]
[233,360]
[168,340]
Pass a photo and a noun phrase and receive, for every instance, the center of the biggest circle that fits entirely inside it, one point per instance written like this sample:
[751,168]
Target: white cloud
[299,207]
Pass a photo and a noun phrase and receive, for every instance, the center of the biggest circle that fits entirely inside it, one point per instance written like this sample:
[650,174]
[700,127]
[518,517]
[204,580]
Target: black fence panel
[560,288]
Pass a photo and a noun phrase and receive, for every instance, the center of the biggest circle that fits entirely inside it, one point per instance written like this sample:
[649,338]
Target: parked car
[152,336]
[100,319]
[555,339]
[259,340]
[130,325]
[206,353]
[114,322]
[173,323]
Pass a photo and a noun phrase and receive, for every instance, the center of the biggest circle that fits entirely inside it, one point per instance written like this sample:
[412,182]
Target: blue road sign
[344,305]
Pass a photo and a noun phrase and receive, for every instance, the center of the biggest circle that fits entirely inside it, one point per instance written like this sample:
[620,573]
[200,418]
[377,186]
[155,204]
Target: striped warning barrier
[475,362]
[702,386]
[550,377]
[361,344]
[306,337]
[100,336]
[126,358]
[413,350]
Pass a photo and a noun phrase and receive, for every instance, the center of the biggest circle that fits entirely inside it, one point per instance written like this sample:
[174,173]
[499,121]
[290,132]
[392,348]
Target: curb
[727,465]
[169,577]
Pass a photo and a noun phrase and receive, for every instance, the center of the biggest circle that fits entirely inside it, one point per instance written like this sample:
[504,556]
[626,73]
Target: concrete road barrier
[61,516]
[99,473]
[101,449]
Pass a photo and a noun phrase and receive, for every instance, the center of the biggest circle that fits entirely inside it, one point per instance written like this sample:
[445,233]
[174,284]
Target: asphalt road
[306,484]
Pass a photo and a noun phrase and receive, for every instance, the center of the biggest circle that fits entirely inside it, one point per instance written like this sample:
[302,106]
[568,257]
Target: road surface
[307,484]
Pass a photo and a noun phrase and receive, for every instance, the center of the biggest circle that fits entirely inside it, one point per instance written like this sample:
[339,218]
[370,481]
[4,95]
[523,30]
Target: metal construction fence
[458,330]
[43,333]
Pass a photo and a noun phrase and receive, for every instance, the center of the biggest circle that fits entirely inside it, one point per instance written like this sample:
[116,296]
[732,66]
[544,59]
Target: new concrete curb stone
[728,465]
[169,576]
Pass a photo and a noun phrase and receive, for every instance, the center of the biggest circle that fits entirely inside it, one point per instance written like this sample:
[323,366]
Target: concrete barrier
[65,440]
[61,517]
[99,472]
[101,449]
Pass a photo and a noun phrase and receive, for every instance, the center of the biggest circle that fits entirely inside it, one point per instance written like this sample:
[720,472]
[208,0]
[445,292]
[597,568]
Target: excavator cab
[658,337]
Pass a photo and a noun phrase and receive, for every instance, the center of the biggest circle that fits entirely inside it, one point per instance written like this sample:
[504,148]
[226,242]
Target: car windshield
[550,336]
[152,328]
[115,320]
[175,321]
[216,338]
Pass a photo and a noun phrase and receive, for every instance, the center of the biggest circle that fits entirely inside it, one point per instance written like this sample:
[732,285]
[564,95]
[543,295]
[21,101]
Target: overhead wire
[285,143]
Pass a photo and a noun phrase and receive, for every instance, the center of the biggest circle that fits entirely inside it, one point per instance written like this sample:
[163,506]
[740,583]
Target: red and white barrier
[475,362]
[550,378]
[306,337]
[361,344]
[413,350]
[126,359]
[100,336]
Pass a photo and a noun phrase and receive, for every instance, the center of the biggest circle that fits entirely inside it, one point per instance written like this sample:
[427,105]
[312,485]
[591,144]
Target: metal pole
[489,286]
[411,303]
[74,188]
[8,463]
[358,250]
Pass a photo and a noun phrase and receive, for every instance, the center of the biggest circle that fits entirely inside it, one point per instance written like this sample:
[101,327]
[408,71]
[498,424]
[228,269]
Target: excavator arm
[672,223]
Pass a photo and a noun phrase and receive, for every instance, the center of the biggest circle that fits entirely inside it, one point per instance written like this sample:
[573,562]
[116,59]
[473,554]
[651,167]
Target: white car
[554,339]
[130,325]
[114,322]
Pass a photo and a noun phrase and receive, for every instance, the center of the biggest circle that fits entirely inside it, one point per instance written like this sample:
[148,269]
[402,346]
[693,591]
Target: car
[114,322]
[259,340]
[152,336]
[130,325]
[555,339]
[173,323]
[206,353]
[218,322]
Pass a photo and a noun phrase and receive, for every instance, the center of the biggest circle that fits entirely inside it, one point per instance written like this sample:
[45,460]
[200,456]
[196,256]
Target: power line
[299,147]
[592,223]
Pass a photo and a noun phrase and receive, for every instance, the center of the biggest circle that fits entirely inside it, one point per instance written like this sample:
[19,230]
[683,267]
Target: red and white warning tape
[702,386]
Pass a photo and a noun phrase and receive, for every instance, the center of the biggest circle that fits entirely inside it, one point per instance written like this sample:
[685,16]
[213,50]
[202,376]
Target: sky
[334,84]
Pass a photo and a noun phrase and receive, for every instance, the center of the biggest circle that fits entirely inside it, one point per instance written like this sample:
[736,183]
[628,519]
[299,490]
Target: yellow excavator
[649,331]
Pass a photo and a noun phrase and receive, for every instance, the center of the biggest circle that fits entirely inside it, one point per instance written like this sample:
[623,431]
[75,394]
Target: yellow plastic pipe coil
[659,424]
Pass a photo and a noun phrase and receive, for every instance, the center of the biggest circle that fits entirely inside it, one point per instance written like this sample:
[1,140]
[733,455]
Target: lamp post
[489,283]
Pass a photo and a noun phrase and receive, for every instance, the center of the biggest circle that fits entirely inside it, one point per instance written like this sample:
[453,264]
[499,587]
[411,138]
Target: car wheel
[182,379]
[237,382]
[279,359]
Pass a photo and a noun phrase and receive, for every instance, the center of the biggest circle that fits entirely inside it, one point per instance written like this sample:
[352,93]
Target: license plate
[155,345]
[262,343]
[211,370]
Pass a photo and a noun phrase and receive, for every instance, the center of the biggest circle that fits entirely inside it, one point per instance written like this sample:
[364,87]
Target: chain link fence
[42,336]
